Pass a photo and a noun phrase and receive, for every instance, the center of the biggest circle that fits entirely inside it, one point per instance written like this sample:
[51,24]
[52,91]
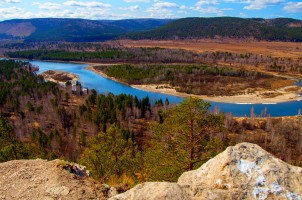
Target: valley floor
[285,94]
[275,49]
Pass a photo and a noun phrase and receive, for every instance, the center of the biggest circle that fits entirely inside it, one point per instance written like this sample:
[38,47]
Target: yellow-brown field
[274,49]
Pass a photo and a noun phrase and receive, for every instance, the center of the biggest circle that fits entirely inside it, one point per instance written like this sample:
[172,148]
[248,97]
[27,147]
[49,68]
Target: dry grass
[293,89]
[281,83]
[274,49]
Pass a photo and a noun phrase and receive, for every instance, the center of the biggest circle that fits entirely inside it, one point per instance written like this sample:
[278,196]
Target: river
[103,85]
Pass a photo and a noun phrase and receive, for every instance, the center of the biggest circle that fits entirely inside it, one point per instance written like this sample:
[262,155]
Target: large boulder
[244,171]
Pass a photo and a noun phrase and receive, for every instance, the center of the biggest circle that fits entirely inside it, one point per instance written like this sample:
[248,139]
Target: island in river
[60,77]
[262,88]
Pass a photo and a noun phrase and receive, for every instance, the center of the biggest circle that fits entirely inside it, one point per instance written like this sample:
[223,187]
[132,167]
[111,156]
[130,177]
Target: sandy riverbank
[284,94]
[242,99]
[60,77]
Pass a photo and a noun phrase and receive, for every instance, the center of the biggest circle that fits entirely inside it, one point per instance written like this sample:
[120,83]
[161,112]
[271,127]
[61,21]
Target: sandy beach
[240,99]
[284,94]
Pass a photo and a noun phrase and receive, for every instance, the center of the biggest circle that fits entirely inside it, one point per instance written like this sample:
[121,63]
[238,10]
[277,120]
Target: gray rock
[246,171]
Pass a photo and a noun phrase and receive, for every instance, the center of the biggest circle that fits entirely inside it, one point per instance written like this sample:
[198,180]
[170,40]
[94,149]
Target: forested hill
[281,29]
[74,30]
[82,30]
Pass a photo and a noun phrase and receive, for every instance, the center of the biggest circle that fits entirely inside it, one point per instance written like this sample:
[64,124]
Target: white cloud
[161,9]
[208,7]
[131,8]
[182,12]
[78,12]
[135,1]
[90,4]
[163,13]
[260,4]
[241,14]
[161,5]
[14,13]
[295,7]
[10,1]
[206,2]
[48,6]
[209,10]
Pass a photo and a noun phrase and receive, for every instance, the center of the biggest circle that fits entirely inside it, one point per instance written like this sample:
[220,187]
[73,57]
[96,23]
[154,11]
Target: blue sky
[125,9]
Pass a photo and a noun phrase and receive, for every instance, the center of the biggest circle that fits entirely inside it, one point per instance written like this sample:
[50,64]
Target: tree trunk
[191,146]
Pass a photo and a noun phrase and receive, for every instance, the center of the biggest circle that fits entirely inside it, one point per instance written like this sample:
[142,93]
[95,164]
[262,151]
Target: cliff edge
[40,179]
[244,171]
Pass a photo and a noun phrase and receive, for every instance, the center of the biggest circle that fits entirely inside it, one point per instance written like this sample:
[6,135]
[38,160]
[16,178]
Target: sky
[128,9]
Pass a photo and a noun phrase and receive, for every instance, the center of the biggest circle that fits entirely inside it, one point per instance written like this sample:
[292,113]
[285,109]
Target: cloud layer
[119,9]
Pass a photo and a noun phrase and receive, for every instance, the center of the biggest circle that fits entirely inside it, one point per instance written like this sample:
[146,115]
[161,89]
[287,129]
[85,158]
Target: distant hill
[82,30]
[282,29]
[74,30]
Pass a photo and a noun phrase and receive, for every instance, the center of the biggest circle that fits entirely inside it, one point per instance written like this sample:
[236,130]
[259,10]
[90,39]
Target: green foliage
[112,109]
[132,73]
[16,80]
[82,138]
[104,53]
[188,78]
[30,106]
[64,55]
[184,141]
[110,155]
[11,148]
[41,138]
[139,73]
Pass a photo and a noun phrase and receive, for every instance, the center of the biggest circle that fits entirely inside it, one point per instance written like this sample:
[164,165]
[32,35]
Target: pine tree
[184,140]
[110,155]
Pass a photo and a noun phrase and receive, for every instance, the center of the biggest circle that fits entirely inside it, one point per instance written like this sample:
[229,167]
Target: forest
[279,29]
[114,52]
[121,139]
[194,78]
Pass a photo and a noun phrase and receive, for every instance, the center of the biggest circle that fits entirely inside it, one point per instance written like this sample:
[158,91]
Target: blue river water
[103,85]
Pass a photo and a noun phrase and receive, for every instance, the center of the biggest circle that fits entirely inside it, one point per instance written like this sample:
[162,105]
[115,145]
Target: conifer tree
[184,140]
[110,155]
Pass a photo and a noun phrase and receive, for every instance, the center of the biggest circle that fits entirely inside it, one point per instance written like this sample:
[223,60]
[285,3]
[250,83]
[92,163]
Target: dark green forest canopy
[17,79]
[279,29]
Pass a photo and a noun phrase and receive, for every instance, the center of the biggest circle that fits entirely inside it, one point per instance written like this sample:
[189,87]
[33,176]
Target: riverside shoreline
[256,98]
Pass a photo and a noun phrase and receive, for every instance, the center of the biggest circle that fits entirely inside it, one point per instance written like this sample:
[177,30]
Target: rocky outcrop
[244,171]
[154,191]
[40,179]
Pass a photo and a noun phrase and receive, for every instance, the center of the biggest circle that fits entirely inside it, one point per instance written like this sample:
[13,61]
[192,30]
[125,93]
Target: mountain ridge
[277,29]
[66,29]
[85,30]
